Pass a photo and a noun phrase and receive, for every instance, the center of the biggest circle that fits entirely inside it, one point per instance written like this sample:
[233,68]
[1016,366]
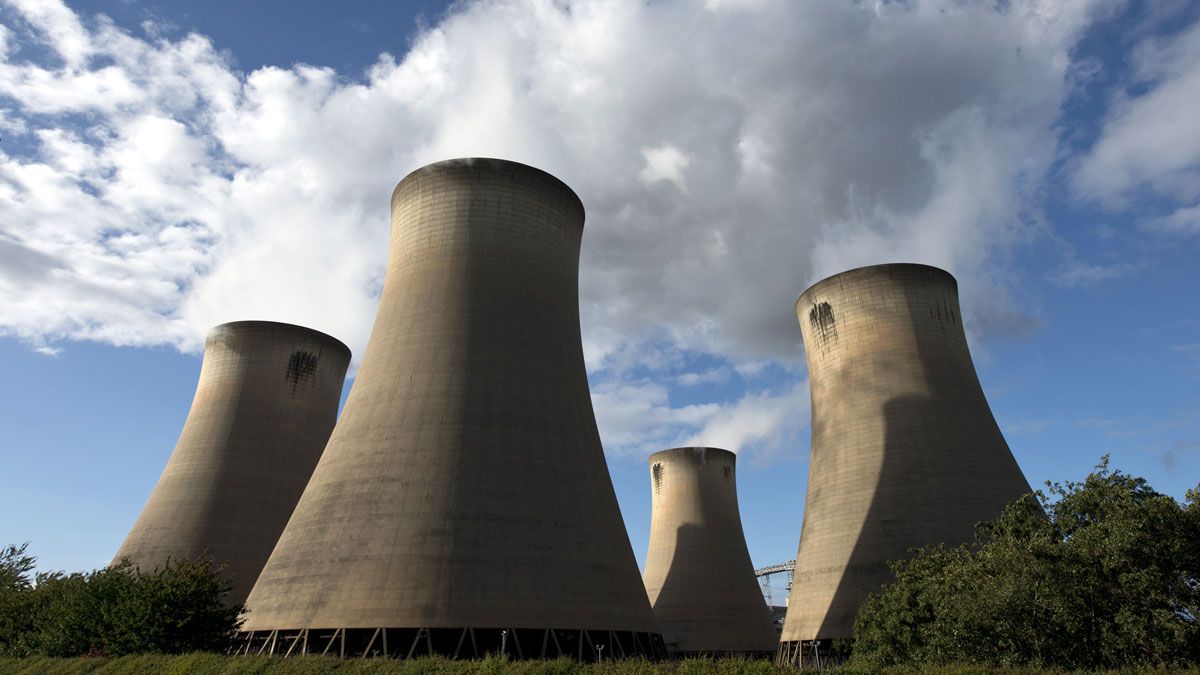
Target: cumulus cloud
[637,418]
[767,421]
[664,163]
[728,153]
[1151,136]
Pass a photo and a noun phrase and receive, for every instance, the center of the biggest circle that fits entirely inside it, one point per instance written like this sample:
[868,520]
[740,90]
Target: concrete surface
[699,576]
[265,404]
[905,451]
[465,484]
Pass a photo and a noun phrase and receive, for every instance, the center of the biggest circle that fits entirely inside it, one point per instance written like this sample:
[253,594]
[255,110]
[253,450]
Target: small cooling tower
[265,404]
[905,451]
[698,572]
[463,505]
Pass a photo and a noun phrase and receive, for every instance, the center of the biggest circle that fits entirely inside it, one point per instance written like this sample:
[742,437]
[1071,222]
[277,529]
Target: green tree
[113,611]
[1103,573]
[62,610]
[16,581]
[176,609]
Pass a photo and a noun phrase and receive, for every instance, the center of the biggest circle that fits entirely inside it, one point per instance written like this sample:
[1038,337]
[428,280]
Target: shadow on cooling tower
[945,468]
[684,581]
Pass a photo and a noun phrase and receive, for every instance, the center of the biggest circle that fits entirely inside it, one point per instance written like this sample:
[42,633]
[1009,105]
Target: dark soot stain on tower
[905,451]
[464,505]
[265,404]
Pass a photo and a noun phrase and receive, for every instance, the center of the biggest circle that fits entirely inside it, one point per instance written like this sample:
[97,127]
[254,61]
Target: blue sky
[178,165]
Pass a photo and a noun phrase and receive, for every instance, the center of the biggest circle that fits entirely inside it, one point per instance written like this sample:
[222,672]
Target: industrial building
[265,404]
[698,575]
[463,505]
[905,450]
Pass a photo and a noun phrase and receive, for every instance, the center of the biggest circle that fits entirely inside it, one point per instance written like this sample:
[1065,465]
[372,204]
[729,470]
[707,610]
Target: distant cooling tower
[698,572]
[265,404]
[905,451]
[463,505]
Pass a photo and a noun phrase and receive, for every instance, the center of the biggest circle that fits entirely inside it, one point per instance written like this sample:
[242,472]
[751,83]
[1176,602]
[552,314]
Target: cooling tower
[698,572]
[463,504]
[265,404]
[905,451]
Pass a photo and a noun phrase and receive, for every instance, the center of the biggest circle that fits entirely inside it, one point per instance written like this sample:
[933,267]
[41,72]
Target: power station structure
[698,574]
[905,451]
[766,576]
[265,404]
[463,504]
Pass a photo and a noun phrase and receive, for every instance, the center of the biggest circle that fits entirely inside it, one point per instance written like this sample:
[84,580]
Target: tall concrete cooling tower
[463,505]
[698,572]
[905,451]
[265,405]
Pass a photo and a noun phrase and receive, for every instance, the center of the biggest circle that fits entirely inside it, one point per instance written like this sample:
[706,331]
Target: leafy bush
[16,582]
[117,610]
[1103,574]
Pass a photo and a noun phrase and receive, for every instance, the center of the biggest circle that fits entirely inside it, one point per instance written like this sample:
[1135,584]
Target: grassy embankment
[213,664]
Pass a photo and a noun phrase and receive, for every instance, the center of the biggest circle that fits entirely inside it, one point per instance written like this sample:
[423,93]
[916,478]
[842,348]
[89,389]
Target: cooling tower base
[817,654]
[745,656]
[455,643]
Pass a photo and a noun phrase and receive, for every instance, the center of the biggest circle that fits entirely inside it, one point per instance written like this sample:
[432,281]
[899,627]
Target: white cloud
[60,26]
[749,369]
[770,423]
[664,163]
[11,126]
[728,155]
[1079,274]
[710,376]
[1151,138]
[637,418]
[1185,221]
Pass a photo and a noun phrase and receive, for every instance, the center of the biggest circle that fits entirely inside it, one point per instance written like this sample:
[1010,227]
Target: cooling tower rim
[255,325]
[512,165]
[691,451]
[873,269]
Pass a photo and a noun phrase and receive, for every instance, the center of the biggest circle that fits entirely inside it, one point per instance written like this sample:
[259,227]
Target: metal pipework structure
[265,404]
[463,505]
[905,450]
[698,574]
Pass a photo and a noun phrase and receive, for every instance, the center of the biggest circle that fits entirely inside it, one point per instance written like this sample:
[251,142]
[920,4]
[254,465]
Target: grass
[216,664]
